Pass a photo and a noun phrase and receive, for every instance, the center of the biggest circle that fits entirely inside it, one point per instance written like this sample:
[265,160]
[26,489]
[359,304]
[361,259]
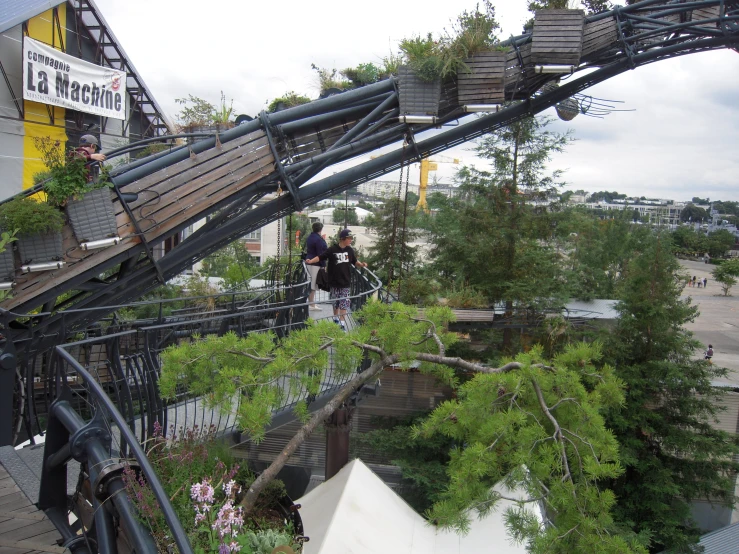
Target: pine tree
[392,256]
[671,452]
[495,236]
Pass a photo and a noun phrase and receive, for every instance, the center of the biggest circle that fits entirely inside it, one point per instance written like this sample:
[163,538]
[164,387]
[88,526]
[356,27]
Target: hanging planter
[417,97]
[557,37]
[599,36]
[92,216]
[36,249]
[7,267]
[483,80]
[38,227]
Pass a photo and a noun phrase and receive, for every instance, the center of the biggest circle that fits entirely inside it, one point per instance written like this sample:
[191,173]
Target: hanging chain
[279,243]
[403,239]
[396,208]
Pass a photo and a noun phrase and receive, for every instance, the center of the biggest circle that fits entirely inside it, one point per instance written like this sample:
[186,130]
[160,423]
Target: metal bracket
[105,476]
[139,232]
[628,49]
[95,430]
[264,119]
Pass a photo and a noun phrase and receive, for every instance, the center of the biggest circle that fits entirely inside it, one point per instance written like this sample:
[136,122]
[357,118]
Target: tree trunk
[305,431]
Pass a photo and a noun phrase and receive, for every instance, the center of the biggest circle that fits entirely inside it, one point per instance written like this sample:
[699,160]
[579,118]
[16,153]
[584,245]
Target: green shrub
[28,217]
[288,100]
[363,74]
[67,174]
[466,297]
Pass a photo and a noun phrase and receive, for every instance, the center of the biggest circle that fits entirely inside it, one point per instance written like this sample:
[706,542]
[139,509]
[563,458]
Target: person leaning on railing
[88,149]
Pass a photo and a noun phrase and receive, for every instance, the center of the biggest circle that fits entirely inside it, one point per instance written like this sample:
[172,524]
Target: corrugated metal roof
[721,541]
[15,12]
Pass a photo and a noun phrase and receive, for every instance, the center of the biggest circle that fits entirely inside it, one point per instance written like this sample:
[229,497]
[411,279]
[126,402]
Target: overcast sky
[679,141]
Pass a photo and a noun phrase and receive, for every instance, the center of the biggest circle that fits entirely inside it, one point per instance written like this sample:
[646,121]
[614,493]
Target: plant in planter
[38,226]
[287,100]
[330,81]
[480,61]
[419,80]
[204,486]
[6,260]
[88,202]
[200,115]
[363,74]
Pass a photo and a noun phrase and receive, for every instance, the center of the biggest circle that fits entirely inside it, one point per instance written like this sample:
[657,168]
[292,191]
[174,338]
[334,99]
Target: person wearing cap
[315,246]
[339,256]
[88,150]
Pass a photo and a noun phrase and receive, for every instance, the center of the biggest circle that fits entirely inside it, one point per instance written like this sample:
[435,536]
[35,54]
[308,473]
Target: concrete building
[384,189]
[649,211]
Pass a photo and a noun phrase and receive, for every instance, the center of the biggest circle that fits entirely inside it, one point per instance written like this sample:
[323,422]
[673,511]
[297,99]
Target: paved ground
[718,322]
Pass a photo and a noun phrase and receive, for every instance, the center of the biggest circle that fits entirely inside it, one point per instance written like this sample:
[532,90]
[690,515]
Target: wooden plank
[554,51]
[496,81]
[181,189]
[190,163]
[163,227]
[31,531]
[31,546]
[564,34]
[27,289]
[14,499]
[195,189]
[36,515]
[169,183]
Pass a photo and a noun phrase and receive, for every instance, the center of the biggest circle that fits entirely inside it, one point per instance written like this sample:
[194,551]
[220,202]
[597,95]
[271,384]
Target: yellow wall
[41,28]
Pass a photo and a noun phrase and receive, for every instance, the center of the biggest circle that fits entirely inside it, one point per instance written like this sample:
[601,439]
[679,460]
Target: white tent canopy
[356,513]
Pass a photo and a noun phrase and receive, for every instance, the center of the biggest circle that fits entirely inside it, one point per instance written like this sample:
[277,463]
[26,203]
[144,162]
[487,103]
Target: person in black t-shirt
[339,257]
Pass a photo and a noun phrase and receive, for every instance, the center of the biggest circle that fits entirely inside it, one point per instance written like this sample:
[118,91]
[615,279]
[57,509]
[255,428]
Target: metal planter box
[40,248]
[599,36]
[417,97]
[557,37]
[7,266]
[92,216]
[484,80]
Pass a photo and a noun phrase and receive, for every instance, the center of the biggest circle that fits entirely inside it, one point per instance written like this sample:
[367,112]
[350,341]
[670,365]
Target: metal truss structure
[300,142]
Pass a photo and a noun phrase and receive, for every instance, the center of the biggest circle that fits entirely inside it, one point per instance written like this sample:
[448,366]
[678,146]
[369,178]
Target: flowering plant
[204,486]
[219,521]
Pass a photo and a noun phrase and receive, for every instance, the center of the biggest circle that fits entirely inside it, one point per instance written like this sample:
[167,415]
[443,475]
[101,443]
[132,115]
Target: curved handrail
[175,526]
[140,386]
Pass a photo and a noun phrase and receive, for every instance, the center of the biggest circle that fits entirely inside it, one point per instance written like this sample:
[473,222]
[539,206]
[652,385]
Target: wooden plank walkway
[24,529]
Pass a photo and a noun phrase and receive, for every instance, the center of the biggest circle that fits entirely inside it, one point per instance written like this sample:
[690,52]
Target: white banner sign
[53,77]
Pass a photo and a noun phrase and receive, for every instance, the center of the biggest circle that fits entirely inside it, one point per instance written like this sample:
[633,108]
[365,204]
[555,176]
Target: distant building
[384,189]
[656,212]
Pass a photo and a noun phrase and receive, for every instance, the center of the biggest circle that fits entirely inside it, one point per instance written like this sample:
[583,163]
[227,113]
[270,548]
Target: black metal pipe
[347,138]
[59,458]
[178,533]
[308,123]
[380,122]
[98,459]
[394,133]
[298,112]
[104,531]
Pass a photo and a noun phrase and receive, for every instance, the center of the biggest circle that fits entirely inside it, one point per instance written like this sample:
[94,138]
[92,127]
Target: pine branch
[306,430]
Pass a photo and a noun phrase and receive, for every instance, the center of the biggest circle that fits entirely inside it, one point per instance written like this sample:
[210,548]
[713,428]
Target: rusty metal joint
[284,178]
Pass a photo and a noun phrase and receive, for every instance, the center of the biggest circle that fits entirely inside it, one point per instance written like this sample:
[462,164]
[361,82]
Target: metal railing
[102,403]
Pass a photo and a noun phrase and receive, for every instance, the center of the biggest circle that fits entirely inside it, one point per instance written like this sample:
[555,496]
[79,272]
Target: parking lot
[718,322]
